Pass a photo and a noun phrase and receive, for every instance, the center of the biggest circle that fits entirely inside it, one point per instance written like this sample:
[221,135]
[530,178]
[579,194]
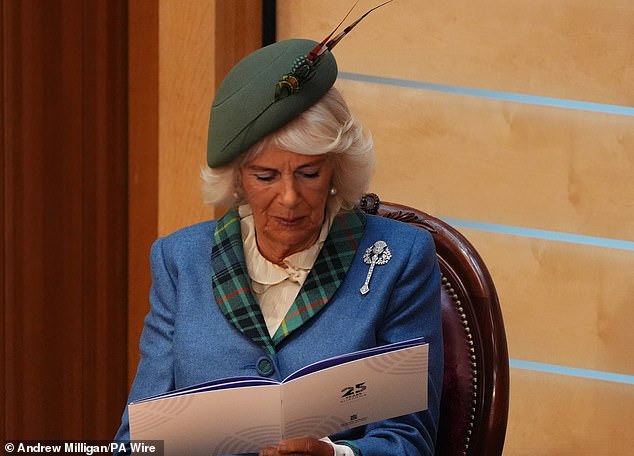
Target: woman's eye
[264,177]
[311,175]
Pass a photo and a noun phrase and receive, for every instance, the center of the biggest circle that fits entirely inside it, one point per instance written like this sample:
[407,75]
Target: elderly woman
[275,284]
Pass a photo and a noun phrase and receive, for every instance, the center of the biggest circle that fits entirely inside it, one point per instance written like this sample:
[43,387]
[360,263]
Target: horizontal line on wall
[541,234]
[494,94]
[572,371]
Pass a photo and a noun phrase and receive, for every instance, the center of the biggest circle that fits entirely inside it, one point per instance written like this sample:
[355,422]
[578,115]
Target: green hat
[263,92]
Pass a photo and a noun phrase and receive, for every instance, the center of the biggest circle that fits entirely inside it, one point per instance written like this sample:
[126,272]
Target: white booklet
[245,414]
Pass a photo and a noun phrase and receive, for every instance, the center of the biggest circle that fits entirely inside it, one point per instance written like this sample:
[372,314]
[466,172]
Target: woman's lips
[288,222]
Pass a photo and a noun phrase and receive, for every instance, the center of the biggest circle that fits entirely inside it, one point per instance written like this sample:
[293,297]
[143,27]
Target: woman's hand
[299,447]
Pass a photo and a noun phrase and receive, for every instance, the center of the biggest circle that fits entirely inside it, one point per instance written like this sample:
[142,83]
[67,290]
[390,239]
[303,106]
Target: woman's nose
[289,194]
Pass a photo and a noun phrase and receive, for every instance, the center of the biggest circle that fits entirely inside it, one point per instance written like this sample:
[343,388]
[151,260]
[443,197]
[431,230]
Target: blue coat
[188,337]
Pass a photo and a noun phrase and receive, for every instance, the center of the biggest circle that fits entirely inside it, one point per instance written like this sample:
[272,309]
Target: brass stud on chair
[470,344]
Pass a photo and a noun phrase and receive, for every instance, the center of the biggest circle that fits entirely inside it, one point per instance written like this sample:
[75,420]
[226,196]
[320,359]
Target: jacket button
[265,366]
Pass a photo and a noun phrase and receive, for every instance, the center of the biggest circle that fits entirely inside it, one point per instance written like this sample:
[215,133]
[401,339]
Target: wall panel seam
[491,94]
[557,236]
[568,371]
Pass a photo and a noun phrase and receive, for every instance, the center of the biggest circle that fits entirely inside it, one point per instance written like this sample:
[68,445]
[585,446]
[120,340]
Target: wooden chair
[475,397]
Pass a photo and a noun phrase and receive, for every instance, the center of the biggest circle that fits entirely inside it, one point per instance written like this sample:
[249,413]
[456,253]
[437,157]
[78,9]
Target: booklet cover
[245,414]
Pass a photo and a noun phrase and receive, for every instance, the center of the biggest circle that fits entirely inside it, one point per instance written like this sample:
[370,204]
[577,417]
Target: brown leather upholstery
[475,398]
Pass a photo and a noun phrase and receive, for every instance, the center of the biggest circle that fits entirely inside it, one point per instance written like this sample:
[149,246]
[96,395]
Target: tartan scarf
[232,284]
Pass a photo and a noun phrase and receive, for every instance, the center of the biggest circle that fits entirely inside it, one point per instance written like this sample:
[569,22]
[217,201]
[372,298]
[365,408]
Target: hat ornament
[304,66]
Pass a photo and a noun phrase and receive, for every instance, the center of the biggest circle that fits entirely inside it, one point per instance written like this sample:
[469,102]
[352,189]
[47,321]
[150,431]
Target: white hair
[327,127]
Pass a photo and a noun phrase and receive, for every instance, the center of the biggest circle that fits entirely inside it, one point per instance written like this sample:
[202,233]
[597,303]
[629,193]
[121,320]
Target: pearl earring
[333,191]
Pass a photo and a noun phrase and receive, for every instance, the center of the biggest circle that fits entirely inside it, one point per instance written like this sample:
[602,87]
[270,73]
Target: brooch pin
[379,253]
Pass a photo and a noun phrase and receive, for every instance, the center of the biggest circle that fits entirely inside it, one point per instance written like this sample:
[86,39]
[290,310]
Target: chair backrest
[475,397]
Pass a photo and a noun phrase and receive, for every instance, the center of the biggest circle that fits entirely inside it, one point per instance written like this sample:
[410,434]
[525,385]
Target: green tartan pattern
[328,272]
[232,284]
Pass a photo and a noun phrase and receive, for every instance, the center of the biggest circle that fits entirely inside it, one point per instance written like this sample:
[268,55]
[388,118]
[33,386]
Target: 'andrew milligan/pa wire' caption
[87,448]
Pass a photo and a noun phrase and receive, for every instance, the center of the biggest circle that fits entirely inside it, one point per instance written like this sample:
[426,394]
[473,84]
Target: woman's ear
[238,192]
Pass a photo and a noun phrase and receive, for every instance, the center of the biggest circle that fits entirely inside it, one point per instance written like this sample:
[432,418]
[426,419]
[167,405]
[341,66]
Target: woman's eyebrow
[255,167]
[310,164]
[261,168]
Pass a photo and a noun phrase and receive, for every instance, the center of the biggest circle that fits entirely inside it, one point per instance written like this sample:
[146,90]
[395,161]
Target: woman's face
[287,193]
